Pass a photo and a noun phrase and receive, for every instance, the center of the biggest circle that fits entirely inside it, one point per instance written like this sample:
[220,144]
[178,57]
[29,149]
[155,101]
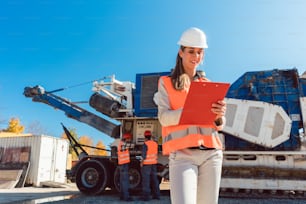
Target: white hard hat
[193,37]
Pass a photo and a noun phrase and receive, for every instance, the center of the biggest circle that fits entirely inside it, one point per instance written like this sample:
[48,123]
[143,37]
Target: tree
[36,128]
[99,151]
[14,126]
[85,140]
[75,136]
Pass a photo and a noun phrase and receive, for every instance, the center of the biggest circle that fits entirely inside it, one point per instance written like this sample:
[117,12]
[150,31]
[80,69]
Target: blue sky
[59,44]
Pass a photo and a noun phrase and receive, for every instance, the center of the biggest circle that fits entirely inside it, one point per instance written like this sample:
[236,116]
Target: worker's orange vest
[178,137]
[123,156]
[152,150]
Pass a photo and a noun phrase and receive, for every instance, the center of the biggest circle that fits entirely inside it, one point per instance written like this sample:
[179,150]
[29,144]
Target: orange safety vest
[178,137]
[151,157]
[123,156]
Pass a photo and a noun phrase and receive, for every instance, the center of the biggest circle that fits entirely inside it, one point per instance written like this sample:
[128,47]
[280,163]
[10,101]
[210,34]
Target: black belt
[201,148]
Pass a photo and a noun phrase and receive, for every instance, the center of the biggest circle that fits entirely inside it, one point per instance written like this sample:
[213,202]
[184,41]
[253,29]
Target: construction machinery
[263,135]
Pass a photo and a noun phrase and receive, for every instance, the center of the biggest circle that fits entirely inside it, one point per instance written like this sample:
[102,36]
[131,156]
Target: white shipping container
[48,157]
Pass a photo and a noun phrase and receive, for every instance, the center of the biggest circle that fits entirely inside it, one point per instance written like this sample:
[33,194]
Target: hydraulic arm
[38,94]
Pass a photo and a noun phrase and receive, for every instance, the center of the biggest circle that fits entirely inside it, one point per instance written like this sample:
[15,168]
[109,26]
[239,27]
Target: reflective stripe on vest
[178,137]
[123,156]
[151,156]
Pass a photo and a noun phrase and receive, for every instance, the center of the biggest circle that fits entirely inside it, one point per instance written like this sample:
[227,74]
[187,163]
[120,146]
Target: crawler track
[263,194]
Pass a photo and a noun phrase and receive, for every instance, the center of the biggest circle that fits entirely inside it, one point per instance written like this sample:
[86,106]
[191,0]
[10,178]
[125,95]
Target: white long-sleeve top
[166,115]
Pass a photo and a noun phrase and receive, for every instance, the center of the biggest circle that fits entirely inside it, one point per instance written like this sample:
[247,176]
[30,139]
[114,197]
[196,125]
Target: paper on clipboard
[197,107]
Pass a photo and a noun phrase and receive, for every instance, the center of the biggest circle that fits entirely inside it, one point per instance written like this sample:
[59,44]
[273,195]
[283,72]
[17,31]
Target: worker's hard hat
[127,135]
[193,37]
[147,133]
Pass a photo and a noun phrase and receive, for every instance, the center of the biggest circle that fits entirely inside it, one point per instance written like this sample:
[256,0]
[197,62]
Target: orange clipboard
[197,107]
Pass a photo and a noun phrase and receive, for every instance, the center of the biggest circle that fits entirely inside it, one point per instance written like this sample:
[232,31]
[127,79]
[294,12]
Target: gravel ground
[71,195]
[166,200]
[110,198]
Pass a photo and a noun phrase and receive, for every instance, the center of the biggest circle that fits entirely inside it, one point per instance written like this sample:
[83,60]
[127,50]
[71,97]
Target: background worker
[149,169]
[195,151]
[123,163]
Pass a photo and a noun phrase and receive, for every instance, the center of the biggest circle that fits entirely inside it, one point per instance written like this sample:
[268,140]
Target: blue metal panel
[302,87]
[146,87]
[280,87]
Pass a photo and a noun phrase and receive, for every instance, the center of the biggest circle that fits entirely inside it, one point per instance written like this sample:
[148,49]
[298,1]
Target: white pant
[195,176]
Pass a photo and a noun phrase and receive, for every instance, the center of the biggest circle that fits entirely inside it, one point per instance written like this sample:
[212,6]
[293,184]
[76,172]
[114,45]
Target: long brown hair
[178,72]
[180,80]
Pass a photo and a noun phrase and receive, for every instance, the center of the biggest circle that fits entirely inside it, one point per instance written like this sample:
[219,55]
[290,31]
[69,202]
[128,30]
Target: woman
[195,151]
